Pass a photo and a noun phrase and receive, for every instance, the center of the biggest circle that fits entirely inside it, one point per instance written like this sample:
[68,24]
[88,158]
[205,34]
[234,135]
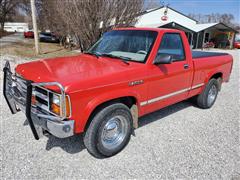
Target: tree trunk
[2,26]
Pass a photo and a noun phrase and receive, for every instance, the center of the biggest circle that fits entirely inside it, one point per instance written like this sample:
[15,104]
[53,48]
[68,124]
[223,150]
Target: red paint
[90,81]
[28,34]
[237,44]
[164,18]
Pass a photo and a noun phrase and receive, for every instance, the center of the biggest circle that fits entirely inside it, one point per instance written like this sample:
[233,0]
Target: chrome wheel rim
[114,132]
[212,94]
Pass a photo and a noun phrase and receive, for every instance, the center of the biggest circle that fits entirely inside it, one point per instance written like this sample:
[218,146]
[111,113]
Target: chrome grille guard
[11,101]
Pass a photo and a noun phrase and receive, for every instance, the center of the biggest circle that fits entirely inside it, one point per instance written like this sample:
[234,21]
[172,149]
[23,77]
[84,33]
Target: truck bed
[205,63]
[204,54]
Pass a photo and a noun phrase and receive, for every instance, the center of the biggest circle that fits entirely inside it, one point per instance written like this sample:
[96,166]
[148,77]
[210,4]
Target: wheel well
[217,75]
[127,100]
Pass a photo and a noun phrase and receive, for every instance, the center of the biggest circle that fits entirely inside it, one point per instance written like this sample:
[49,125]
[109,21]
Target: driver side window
[171,44]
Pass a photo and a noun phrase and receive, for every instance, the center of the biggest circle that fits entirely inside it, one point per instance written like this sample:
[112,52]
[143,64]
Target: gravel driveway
[178,142]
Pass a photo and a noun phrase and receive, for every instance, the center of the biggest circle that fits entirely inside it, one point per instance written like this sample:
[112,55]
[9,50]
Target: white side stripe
[197,86]
[143,103]
[169,95]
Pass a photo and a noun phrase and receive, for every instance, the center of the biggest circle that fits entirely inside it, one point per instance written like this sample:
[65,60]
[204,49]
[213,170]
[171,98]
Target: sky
[206,6]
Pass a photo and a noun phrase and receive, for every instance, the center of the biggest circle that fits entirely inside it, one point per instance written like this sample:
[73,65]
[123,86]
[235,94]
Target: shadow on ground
[75,143]
[71,145]
[158,115]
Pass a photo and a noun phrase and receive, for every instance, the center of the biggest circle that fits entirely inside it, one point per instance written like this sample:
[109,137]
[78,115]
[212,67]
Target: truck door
[169,83]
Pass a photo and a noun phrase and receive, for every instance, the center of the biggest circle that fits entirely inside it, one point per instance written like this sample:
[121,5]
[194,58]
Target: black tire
[93,139]
[202,99]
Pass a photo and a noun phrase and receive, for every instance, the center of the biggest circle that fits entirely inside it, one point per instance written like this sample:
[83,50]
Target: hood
[68,71]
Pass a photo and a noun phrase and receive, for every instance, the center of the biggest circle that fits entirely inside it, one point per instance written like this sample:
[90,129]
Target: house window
[206,39]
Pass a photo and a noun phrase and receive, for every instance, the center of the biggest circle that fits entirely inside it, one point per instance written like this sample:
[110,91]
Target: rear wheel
[110,131]
[209,95]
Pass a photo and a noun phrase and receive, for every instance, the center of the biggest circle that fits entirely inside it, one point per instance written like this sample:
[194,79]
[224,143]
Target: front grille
[41,90]
[42,98]
[41,101]
[19,92]
[17,88]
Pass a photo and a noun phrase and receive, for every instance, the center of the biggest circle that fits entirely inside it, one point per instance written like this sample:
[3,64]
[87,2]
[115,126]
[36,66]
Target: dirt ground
[22,47]
[5,33]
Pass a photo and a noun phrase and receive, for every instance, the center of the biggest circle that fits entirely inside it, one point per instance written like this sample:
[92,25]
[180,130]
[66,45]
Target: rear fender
[211,74]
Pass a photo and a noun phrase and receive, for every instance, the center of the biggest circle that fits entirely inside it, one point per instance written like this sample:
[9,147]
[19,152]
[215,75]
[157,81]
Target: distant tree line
[214,17]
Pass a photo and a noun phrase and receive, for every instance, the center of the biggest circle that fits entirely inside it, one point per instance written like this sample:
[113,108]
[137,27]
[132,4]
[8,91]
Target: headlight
[56,99]
[56,105]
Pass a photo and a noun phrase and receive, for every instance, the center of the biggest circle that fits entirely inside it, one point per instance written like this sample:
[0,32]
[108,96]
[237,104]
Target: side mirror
[163,59]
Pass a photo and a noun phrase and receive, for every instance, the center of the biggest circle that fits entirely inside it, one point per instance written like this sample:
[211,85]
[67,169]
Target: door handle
[186,66]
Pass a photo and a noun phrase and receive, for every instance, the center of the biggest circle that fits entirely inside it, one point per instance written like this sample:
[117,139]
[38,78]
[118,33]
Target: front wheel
[209,95]
[109,131]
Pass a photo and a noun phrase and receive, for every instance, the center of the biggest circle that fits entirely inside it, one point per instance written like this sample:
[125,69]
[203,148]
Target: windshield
[130,45]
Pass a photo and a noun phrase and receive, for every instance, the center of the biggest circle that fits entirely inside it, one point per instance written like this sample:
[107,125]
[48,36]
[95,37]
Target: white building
[15,27]
[197,33]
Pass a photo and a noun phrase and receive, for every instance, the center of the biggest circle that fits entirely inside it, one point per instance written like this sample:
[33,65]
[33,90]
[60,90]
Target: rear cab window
[171,44]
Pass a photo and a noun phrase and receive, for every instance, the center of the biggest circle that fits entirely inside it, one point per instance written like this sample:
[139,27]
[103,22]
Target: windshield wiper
[123,58]
[91,53]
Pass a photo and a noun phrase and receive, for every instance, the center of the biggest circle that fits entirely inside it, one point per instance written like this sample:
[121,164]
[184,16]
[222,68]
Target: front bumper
[39,121]
[56,128]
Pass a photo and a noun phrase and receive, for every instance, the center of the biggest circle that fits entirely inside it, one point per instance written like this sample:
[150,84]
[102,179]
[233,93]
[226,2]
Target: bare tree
[7,9]
[87,19]
[227,18]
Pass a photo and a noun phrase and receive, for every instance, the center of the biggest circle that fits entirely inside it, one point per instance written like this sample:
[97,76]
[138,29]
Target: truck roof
[147,29]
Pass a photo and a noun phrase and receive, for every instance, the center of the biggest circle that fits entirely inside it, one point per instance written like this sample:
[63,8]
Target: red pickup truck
[127,73]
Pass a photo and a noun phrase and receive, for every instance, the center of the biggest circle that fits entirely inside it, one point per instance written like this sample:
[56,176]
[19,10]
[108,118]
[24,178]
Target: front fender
[102,98]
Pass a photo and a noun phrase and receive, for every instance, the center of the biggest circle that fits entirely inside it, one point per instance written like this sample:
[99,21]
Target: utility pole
[35,29]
